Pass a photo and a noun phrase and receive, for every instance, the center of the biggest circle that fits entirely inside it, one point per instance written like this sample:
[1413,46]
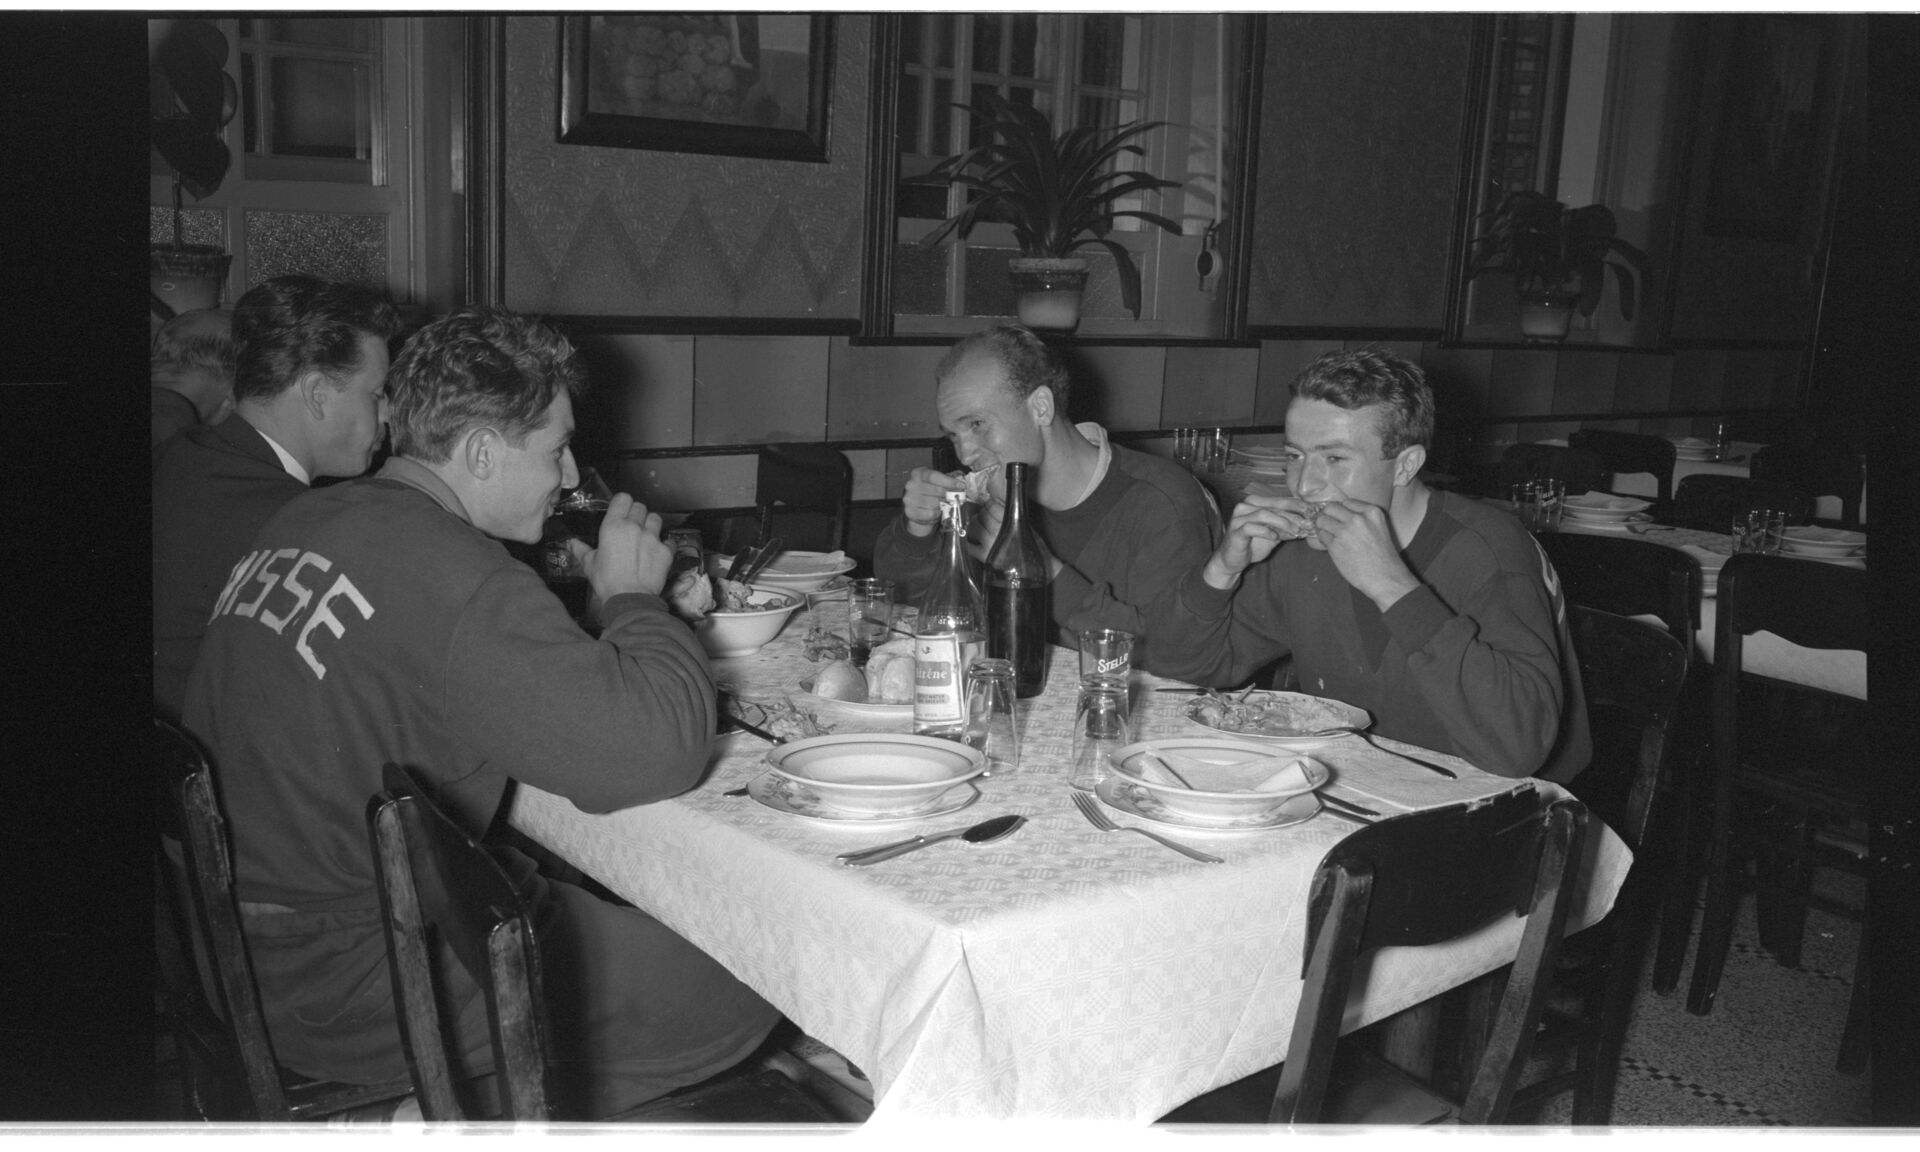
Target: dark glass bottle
[948,634]
[1019,620]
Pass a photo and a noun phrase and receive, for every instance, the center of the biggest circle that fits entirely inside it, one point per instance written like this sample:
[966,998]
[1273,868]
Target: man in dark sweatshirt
[1435,612]
[383,621]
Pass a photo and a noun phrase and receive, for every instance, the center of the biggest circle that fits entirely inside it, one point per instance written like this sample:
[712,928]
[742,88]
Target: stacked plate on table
[1202,784]
[1830,545]
[1269,463]
[1695,448]
[864,779]
[1603,511]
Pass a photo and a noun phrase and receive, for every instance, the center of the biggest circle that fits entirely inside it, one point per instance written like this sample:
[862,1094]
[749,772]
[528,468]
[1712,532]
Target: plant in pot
[1058,192]
[1558,257]
[190,99]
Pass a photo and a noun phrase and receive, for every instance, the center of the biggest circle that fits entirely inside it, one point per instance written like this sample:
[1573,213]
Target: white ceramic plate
[1601,504]
[1136,802]
[1569,520]
[786,797]
[804,689]
[1335,712]
[1816,541]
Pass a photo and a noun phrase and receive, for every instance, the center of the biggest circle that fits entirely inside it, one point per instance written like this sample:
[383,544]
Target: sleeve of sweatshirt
[1154,539]
[1211,637]
[905,559]
[1488,662]
[610,723]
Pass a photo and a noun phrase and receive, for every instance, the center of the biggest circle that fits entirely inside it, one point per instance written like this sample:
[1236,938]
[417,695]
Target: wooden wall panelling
[1280,362]
[688,483]
[881,391]
[1698,375]
[759,389]
[1121,386]
[639,393]
[1585,382]
[1214,385]
[1522,382]
[1643,383]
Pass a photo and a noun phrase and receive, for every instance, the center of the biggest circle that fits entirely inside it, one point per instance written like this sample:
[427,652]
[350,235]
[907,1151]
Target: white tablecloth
[1763,653]
[1059,973]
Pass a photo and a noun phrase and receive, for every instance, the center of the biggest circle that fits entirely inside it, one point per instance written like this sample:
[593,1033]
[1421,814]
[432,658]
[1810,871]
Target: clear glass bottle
[949,634]
[1019,617]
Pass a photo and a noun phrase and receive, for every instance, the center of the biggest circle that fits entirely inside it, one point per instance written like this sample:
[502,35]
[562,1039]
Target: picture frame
[753,84]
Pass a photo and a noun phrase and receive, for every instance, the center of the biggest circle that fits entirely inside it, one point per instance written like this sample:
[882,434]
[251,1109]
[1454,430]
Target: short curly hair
[478,367]
[292,324]
[1029,361]
[1365,377]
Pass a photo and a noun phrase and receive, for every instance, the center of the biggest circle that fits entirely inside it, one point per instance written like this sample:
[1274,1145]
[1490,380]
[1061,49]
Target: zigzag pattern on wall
[691,273]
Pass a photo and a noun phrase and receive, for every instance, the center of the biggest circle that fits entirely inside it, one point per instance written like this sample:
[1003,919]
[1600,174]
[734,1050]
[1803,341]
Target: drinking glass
[1186,445]
[826,626]
[1749,532]
[1549,496]
[869,617]
[1101,727]
[1214,446]
[1526,504]
[990,716]
[1772,529]
[1106,656]
[582,509]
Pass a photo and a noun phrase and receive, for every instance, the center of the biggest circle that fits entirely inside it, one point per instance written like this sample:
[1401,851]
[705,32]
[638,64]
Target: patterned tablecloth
[1058,973]
[1763,653]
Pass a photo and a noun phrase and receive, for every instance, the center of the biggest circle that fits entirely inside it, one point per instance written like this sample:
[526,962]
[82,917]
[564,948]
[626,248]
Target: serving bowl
[795,570]
[742,633]
[1290,720]
[876,774]
[1223,774]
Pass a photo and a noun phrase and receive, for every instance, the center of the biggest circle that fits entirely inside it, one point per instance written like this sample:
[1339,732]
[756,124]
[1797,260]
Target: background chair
[1633,674]
[225,1045]
[810,487]
[436,879]
[1818,471]
[1417,879]
[1710,502]
[1630,452]
[1579,468]
[1792,768]
[1630,577]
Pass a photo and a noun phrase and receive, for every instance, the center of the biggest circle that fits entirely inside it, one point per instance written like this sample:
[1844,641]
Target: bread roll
[890,673]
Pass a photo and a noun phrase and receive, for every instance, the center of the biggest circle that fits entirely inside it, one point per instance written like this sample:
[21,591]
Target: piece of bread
[890,673]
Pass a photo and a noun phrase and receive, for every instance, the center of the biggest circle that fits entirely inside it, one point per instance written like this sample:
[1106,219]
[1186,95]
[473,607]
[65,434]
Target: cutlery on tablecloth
[1329,798]
[981,833]
[1090,808]
[1344,814]
[1447,772]
[754,729]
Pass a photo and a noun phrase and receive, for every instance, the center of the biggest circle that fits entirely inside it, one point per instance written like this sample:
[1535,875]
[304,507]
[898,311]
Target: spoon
[980,833]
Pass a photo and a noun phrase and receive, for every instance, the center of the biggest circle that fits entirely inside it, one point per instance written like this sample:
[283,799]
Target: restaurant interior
[752,283]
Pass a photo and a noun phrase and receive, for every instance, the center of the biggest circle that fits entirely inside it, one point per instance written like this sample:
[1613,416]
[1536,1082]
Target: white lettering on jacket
[236,580]
[301,593]
[323,615]
[266,578]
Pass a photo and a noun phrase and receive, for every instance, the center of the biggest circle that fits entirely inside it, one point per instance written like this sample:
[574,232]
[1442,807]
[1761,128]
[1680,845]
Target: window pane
[1024,33]
[197,226]
[912,28]
[940,141]
[989,290]
[1098,112]
[1103,50]
[986,43]
[331,246]
[320,108]
[908,136]
[920,280]
[356,35]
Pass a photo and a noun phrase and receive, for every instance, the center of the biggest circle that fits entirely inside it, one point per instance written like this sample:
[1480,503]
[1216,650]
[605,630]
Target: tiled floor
[1763,1057]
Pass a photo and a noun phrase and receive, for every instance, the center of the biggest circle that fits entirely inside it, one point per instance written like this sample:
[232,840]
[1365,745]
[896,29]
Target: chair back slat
[439,886]
[815,478]
[1628,577]
[1630,452]
[1709,502]
[1812,604]
[1633,675]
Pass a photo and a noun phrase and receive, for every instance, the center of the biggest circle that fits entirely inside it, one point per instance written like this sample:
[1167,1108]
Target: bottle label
[939,678]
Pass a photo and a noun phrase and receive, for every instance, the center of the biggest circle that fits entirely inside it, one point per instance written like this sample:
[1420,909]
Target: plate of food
[1288,719]
[882,690]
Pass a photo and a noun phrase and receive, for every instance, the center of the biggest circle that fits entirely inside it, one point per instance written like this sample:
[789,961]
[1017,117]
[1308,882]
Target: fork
[1099,820]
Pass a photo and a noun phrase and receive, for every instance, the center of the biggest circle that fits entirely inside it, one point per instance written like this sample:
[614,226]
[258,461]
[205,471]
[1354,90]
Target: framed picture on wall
[727,83]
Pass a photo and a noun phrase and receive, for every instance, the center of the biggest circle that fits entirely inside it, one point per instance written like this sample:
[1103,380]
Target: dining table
[1736,460]
[1057,973]
[1842,671]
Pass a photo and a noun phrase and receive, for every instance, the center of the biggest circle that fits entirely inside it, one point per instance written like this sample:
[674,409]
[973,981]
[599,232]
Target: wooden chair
[1630,577]
[1633,674]
[806,484]
[436,879]
[226,1044]
[1788,760]
[1628,452]
[1817,471]
[1580,469]
[1417,879]
[1710,502]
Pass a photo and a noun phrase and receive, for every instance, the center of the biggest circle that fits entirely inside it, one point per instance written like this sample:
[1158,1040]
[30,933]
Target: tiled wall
[652,392]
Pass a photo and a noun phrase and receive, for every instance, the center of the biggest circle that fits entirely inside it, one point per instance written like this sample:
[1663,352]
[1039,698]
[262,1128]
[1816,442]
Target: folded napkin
[1290,776]
[1692,442]
[825,562]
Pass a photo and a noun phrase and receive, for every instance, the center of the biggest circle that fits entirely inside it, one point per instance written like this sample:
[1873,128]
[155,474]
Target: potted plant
[1557,257]
[190,98]
[1058,193]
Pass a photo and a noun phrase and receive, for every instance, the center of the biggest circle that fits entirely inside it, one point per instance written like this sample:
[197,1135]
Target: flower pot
[1048,290]
[1545,316]
[187,276]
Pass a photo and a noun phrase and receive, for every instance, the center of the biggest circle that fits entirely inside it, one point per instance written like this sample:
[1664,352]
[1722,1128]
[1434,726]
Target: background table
[1763,653]
[1739,462]
[1060,972]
